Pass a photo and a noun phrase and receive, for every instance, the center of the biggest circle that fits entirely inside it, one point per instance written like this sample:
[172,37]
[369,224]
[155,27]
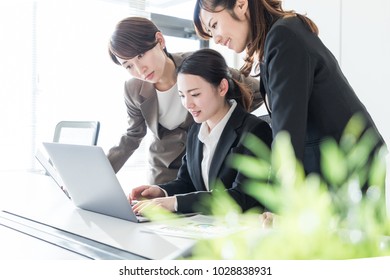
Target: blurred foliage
[341,215]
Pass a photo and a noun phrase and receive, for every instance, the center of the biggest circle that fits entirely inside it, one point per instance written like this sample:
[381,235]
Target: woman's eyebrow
[190,90]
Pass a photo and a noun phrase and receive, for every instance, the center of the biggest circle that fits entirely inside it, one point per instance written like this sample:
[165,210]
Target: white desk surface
[37,197]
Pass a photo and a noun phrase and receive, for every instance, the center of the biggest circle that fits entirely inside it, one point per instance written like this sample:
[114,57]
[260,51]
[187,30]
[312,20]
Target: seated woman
[218,104]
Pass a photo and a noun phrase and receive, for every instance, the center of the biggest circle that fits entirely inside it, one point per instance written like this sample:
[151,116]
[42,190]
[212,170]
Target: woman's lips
[195,113]
[150,76]
[227,43]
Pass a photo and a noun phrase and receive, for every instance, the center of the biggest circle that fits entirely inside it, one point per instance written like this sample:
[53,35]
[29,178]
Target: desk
[37,213]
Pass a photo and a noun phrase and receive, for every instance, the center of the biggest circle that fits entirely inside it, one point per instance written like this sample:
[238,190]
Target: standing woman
[305,91]
[218,103]
[152,99]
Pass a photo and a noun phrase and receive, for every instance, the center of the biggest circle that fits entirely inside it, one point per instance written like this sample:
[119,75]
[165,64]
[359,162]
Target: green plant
[341,215]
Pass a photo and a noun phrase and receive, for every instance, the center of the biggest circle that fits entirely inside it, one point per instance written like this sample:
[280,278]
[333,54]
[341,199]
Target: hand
[146,192]
[164,202]
[267,219]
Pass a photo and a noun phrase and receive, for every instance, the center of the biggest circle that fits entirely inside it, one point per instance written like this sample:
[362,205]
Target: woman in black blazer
[218,104]
[305,91]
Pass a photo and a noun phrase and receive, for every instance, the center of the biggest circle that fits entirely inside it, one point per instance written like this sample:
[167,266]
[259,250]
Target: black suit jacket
[189,186]
[168,146]
[308,95]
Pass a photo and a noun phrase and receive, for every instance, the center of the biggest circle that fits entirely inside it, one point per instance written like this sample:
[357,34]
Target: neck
[212,122]
[169,77]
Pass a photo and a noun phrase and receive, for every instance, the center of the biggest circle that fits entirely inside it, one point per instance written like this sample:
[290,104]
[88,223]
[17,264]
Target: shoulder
[290,40]
[245,121]
[137,89]
[258,127]
[133,84]
[179,57]
[290,24]
[253,122]
[288,30]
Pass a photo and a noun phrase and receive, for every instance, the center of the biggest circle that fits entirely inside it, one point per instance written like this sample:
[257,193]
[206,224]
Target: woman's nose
[217,38]
[140,69]
[188,103]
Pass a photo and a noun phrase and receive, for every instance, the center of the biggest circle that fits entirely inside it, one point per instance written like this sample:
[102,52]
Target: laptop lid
[50,170]
[90,180]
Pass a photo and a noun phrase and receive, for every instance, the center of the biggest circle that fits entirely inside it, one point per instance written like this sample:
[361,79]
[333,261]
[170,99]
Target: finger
[134,194]
[137,191]
[140,207]
[144,208]
[149,193]
[137,206]
[267,220]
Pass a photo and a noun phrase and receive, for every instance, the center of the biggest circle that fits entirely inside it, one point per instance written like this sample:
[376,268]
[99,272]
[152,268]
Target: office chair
[77,132]
[70,132]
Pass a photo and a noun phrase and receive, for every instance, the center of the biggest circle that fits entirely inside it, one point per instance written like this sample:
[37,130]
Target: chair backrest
[77,132]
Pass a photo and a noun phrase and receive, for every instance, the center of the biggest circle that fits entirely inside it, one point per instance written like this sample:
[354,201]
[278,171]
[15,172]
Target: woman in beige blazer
[218,103]
[152,98]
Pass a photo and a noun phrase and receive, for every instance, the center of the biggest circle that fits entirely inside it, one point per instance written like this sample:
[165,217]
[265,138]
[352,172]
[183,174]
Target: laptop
[90,180]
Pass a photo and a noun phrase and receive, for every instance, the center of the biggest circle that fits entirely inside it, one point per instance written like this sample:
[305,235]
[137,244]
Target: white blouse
[171,112]
[210,141]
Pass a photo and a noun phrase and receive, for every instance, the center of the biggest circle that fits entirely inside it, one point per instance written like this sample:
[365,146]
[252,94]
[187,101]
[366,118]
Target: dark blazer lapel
[194,158]
[225,143]
[198,156]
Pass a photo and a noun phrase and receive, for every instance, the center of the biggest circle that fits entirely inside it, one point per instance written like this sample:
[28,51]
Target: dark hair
[211,66]
[263,13]
[131,37]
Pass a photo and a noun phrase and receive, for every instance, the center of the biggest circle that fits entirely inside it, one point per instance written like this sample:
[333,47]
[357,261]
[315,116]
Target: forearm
[118,155]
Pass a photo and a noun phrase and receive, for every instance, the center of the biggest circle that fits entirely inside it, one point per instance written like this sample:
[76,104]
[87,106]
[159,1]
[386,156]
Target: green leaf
[257,147]
[250,166]
[377,175]
[333,163]
[268,196]
[355,126]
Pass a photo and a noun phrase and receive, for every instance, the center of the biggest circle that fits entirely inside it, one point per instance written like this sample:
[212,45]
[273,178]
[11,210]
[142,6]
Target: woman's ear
[223,87]
[160,39]
[241,8]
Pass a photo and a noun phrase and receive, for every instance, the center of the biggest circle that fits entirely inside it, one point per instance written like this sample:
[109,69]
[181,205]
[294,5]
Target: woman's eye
[140,55]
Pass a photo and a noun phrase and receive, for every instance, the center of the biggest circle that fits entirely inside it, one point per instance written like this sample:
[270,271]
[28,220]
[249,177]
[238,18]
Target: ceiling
[167,3]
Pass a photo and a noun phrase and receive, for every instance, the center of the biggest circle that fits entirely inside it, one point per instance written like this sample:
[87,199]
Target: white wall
[366,56]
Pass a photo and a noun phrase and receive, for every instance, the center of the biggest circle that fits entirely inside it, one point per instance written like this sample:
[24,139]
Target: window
[55,66]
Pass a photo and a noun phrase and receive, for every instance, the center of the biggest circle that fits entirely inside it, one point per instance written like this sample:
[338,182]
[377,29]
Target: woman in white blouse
[218,104]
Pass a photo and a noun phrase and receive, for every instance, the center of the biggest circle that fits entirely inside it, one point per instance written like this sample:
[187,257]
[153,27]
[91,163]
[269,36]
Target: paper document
[196,227]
